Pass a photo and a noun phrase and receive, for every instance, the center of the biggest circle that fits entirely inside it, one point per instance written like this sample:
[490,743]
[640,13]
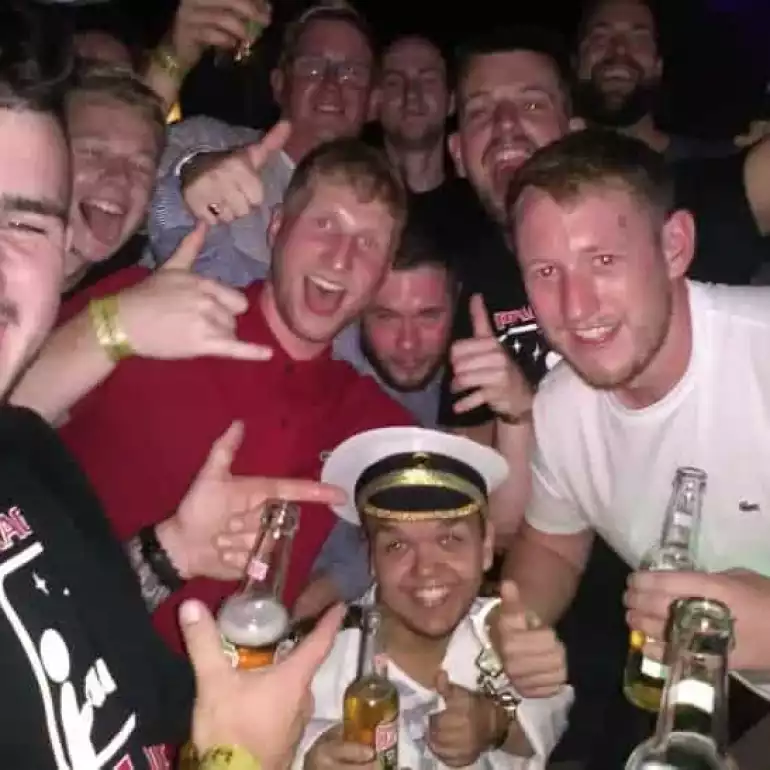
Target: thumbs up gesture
[460,734]
[532,655]
[225,186]
[481,366]
[176,314]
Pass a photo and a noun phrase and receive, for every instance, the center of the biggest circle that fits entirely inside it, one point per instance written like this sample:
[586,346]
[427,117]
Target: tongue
[320,301]
[106,228]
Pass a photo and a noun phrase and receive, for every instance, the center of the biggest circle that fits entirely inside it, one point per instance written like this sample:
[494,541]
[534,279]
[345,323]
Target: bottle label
[653,669]
[256,569]
[285,646]
[691,692]
[386,745]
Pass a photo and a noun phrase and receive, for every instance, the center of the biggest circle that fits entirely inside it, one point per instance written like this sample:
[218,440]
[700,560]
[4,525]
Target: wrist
[171,539]
[220,757]
[104,314]
[499,725]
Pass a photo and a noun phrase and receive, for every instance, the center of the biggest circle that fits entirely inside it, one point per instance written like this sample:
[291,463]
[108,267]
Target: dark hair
[109,19]
[591,7]
[597,158]
[418,249]
[352,163]
[428,40]
[509,40]
[328,11]
[36,58]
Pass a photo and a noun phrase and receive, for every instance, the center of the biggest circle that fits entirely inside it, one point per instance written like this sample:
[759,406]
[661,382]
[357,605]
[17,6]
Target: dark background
[717,53]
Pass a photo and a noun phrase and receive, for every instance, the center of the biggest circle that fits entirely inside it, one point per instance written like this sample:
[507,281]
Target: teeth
[431,597]
[592,334]
[322,283]
[107,207]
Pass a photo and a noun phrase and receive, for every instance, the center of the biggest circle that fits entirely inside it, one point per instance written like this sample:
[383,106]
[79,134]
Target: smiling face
[509,105]
[115,150]
[330,254]
[600,272]
[429,572]
[34,194]
[619,67]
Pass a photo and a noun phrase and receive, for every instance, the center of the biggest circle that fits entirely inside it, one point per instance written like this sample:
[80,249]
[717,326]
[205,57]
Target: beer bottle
[692,726]
[253,620]
[370,709]
[643,677]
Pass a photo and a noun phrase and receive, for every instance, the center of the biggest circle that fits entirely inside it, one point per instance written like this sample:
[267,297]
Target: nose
[412,93]
[342,253]
[117,166]
[618,45]
[579,299]
[424,561]
[406,338]
[507,118]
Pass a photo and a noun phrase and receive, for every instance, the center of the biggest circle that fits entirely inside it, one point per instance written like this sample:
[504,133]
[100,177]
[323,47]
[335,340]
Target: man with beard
[618,70]
[402,338]
[420,498]
[333,241]
[415,101]
[604,253]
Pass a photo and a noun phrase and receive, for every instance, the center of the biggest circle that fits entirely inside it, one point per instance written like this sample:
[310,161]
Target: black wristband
[155,555]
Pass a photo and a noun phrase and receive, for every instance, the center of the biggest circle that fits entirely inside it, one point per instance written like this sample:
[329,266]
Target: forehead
[100,115]
[102,47]
[513,70]
[346,203]
[333,37]
[596,217]
[423,530]
[621,13]
[424,285]
[412,53]
[34,158]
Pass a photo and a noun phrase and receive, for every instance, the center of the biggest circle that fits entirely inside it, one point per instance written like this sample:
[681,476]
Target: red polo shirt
[143,434]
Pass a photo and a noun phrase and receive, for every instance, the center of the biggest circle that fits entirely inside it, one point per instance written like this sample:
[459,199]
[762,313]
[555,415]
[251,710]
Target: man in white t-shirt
[659,372]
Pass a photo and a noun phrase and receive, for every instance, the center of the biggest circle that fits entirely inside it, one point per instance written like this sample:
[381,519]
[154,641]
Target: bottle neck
[695,696]
[371,662]
[266,569]
[682,521]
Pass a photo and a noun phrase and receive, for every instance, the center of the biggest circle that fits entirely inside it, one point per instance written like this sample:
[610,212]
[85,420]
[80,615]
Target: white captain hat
[408,474]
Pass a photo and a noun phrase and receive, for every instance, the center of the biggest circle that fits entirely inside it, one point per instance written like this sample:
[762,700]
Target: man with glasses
[323,84]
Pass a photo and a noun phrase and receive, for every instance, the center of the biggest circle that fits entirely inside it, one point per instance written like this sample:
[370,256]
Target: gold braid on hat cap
[423,476]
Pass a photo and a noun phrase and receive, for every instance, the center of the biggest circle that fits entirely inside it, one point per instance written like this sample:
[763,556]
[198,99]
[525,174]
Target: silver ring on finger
[215,210]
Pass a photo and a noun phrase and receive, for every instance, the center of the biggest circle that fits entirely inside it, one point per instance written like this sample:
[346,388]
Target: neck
[646,131]
[417,655]
[422,170]
[294,346]
[670,363]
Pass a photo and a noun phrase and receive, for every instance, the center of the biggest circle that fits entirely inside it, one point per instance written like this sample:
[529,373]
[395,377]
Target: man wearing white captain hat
[421,498]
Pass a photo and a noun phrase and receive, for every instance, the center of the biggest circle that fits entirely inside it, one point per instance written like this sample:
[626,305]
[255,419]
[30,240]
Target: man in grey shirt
[323,85]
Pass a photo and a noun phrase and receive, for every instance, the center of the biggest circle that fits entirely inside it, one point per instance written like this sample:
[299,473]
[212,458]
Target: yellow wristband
[217,758]
[106,324]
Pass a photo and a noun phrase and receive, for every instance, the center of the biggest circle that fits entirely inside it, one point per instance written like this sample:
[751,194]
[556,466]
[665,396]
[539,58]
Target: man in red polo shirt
[141,435]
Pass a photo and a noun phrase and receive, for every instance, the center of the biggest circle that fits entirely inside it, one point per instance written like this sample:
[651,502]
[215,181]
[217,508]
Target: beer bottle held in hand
[253,621]
[644,678]
[371,710]
[691,732]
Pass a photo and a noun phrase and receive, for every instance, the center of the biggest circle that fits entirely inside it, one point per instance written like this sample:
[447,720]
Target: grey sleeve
[344,558]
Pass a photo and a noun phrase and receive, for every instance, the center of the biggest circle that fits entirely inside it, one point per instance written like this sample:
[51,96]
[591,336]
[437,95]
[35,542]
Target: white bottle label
[653,669]
[691,692]
[256,569]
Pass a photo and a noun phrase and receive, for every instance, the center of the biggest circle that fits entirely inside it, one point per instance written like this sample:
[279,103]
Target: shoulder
[732,307]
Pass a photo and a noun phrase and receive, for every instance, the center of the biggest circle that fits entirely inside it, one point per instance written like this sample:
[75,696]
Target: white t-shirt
[600,465]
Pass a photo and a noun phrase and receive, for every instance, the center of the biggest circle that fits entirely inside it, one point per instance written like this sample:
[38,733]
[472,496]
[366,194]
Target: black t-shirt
[487,266]
[729,248]
[86,682]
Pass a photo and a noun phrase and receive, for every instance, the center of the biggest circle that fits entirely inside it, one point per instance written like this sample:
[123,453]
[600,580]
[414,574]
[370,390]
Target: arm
[756,179]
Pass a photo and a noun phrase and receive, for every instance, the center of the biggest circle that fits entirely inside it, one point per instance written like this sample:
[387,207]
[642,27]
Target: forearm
[547,582]
[508,503]
[71,364]
[165,84]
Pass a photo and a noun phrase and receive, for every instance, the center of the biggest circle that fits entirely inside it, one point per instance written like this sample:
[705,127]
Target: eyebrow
[23,205]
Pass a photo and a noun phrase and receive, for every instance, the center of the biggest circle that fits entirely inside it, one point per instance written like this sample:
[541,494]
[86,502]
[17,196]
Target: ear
[375,103]
[455,150]
[678,243]
[276,219]
[278,84]
[488,546]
